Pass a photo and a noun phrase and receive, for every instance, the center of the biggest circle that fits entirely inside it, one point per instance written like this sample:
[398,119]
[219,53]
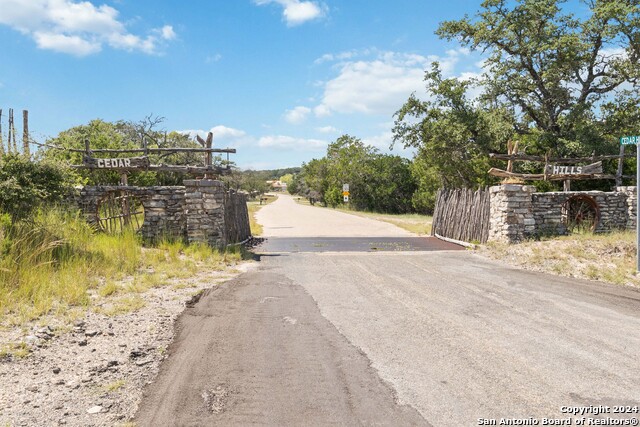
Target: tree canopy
[551,68]
[123,135]
[554,81]
[377,182]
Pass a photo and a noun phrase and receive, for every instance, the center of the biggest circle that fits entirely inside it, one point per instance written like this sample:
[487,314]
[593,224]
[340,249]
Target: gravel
[92,373]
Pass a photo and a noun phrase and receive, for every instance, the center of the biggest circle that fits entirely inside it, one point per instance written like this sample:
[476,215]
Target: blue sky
[276,79]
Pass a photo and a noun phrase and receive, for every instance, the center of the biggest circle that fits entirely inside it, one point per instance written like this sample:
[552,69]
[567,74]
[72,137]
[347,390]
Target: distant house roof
[277,184]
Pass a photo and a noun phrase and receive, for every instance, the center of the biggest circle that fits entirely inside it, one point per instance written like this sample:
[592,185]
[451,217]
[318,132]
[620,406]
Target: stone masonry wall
[201,211]
[163,208]
[511,217]
[632,205]
[548,210]
[204,206]
[517,212]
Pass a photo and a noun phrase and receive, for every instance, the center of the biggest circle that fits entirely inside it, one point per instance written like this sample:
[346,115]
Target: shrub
[27,185]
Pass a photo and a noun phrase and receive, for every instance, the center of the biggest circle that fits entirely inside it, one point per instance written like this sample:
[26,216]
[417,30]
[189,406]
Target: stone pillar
[511,217]
[632,205]
[204,209]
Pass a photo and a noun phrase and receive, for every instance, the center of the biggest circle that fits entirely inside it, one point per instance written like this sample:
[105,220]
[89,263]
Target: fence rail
[462,214]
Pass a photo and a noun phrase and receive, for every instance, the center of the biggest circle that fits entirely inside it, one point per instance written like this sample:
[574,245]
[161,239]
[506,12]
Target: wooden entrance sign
[118,163]
[592,169]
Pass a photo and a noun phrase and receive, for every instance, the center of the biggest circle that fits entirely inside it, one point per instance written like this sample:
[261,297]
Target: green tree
[551,68]
[255,182]
[549,81]
[348,162]
[453,134]
[314,179]
[389,187]
[296,185]
[125,135]
[377,182]
[287,179]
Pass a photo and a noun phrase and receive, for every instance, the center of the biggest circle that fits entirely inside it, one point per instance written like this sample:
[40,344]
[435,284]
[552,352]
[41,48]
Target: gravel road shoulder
[93,373]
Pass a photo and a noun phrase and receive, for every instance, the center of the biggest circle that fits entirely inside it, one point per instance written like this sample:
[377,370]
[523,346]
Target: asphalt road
[420,337]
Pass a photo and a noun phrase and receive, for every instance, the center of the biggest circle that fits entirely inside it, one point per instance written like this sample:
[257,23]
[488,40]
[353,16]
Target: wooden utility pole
[25,133]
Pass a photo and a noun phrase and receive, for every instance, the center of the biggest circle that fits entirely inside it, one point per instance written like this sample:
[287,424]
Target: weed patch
[607,257]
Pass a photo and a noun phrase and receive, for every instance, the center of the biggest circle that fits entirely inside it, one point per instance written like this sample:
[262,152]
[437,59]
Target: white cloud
[288,142]
[296,12]
[297,115]
[223,136]
[341,56]
[322,110]
[77,27]
[327,129]
[73,45]
[384,141]
[379,85]
[213,58]
[227,132]
[168,33]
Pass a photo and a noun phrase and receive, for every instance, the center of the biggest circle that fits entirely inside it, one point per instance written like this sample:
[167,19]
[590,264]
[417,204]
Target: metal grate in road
[354,244]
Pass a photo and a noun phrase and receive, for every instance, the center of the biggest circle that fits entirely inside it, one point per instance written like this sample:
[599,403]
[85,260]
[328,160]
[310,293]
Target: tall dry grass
[608,257]
[49,262]
[54,261]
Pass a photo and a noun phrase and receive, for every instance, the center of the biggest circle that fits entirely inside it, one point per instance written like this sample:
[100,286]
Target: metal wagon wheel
[119,211]
[581,214]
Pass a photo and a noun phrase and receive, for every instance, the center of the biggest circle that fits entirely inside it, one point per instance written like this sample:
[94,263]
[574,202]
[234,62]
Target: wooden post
[620,167]
[87,148]
[567,185]
[208,158]
[25,133]
[126,207]
[9,127]
[1,141]
[14,145]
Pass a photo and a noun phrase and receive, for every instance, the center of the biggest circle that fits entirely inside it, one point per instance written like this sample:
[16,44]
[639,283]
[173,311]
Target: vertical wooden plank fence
[462,214]
[236,217]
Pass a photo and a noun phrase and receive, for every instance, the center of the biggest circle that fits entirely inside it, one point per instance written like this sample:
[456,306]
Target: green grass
[108,289]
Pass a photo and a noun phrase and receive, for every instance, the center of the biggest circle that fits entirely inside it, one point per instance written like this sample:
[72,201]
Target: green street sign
[629,140]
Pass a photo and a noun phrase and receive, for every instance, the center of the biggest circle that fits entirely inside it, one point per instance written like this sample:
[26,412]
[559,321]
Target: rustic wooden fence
[236,217]
[462,214]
